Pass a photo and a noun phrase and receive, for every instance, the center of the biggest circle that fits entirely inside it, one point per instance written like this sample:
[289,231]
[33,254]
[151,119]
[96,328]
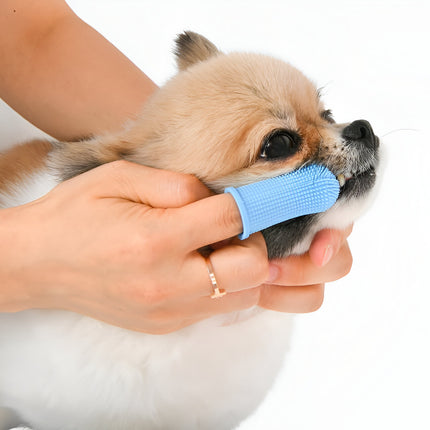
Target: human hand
[119,244]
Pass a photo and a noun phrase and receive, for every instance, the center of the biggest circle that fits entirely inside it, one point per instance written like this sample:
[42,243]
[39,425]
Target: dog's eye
[327,115]
[280,144]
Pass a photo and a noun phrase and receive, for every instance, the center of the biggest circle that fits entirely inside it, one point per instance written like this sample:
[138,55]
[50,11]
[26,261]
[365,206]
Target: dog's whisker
[399,129]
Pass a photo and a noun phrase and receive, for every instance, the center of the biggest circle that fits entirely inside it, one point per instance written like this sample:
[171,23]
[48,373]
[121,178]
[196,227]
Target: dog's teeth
[341,179]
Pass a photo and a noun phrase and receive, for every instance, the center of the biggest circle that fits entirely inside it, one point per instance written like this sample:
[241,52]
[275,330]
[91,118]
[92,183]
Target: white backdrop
[362,361]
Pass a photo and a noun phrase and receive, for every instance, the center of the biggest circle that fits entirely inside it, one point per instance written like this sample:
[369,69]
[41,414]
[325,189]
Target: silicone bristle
[309,190]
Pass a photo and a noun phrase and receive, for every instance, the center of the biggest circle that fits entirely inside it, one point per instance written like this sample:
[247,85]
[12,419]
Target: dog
[229,119]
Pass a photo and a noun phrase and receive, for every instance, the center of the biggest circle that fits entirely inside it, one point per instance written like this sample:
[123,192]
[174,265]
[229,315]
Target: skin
[61,74]
[119,243]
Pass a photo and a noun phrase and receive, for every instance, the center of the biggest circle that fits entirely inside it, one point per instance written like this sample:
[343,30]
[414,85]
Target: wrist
[20,283]
[10,290]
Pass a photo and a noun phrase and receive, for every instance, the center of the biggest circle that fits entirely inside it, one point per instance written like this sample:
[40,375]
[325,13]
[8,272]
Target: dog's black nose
[360,132]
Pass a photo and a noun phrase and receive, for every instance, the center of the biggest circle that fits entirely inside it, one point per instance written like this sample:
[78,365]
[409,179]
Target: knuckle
[257,266]
[142,251]
[189,188]
[153,298]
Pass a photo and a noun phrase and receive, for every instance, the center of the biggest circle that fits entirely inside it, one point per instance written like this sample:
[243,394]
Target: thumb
[326,244]
[142,184]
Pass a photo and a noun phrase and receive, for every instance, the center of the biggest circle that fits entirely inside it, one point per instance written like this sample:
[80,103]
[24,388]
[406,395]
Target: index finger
[208,221]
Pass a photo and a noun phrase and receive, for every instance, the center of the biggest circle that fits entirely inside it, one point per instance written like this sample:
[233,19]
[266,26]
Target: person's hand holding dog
[120,244]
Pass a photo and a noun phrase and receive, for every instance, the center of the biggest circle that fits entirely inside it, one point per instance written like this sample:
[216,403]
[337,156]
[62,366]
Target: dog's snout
[360,132]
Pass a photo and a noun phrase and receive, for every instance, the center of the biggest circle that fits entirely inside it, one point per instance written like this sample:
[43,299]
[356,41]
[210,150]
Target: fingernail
[273,273]
[328,253]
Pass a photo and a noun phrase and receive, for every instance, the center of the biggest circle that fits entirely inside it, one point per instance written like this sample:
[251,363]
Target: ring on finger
[217,291]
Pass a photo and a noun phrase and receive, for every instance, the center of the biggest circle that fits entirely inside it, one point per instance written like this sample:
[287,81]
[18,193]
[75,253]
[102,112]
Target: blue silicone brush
[309,190]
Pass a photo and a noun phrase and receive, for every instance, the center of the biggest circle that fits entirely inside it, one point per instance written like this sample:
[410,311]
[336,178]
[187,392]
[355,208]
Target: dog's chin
[281,239]
[359,185]
[293,236]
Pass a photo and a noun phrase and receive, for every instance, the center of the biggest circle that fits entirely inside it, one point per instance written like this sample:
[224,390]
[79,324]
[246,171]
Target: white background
[362,361]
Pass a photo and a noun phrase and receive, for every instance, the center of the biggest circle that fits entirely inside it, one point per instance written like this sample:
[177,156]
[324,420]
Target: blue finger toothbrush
[309,190]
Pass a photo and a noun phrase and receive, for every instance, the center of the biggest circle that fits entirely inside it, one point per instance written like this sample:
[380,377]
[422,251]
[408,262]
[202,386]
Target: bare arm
[53,71]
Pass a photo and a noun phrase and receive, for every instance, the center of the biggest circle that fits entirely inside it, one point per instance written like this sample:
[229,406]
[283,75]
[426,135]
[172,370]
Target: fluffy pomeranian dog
[229,119]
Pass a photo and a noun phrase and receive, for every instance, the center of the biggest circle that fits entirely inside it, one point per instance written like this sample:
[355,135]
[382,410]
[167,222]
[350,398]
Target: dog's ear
[192,48]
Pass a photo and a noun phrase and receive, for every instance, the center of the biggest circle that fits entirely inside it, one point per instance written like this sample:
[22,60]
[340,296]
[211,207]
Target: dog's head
[232,119]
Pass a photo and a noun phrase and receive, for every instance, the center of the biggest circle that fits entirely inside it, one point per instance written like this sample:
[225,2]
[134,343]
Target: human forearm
[58,78]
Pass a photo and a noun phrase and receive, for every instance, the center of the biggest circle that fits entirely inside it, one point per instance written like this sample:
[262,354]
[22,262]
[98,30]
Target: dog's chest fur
[59,368]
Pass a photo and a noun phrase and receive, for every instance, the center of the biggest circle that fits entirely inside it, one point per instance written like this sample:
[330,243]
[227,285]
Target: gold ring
[217,292]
